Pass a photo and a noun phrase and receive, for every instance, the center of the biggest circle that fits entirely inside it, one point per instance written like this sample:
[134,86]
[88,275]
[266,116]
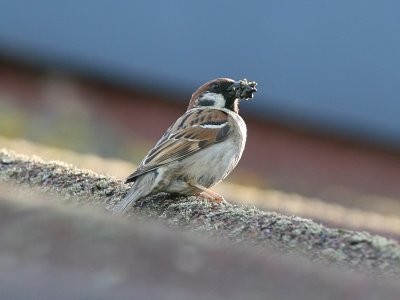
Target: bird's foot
[208,194]
[212,198]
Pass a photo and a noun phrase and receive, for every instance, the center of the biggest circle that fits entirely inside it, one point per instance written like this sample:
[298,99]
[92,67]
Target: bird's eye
[215,87]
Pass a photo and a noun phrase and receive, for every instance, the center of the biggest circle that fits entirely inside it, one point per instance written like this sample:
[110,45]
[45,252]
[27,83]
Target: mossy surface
[240,223]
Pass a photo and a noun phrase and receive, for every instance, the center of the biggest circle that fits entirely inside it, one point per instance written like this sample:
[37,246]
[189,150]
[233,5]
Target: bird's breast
[214,163]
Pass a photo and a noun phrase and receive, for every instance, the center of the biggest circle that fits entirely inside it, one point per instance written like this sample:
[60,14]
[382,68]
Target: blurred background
[100,81]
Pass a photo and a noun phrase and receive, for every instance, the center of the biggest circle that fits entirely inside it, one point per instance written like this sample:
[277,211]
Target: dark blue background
[329,65]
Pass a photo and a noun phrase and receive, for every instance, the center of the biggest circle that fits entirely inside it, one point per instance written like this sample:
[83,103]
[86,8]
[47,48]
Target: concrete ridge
[240,223]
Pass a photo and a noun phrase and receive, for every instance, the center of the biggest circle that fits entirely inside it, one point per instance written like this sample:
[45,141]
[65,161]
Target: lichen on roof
[239,223]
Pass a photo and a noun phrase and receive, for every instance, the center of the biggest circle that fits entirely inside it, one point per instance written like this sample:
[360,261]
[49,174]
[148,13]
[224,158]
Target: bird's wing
[195,130]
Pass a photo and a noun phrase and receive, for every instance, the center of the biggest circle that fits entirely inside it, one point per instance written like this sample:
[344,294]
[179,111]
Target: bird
[199,150]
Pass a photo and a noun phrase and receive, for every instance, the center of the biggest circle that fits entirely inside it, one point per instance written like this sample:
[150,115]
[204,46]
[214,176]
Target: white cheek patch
[218,99]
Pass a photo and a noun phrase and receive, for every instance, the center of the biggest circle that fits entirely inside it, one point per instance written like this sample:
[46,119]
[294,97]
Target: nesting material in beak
[244,89]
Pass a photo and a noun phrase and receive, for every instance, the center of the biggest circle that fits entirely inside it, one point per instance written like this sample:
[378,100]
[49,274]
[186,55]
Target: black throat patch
[232,104]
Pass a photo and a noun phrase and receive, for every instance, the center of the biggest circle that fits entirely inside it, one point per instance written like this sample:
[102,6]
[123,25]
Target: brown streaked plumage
[184,139]
[200,149]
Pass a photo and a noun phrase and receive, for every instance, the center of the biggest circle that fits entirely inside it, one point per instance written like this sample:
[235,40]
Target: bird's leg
[209,194]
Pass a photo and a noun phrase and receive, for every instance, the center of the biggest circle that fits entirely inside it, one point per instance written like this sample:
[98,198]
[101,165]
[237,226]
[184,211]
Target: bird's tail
[141,188]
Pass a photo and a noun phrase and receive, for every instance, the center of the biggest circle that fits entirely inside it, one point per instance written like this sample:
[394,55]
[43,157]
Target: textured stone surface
[243,224]
[59,252]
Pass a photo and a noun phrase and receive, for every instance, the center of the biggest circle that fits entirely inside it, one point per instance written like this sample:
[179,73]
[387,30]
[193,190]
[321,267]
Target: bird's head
[223,93]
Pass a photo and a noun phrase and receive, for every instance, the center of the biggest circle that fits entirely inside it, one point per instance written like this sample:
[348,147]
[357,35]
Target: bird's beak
[243,89]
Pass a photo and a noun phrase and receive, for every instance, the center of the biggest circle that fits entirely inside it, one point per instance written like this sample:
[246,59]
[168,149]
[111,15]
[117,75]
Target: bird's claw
[215,199]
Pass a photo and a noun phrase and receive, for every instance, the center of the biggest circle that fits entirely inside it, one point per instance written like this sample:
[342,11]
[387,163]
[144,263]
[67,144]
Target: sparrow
[200,149]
